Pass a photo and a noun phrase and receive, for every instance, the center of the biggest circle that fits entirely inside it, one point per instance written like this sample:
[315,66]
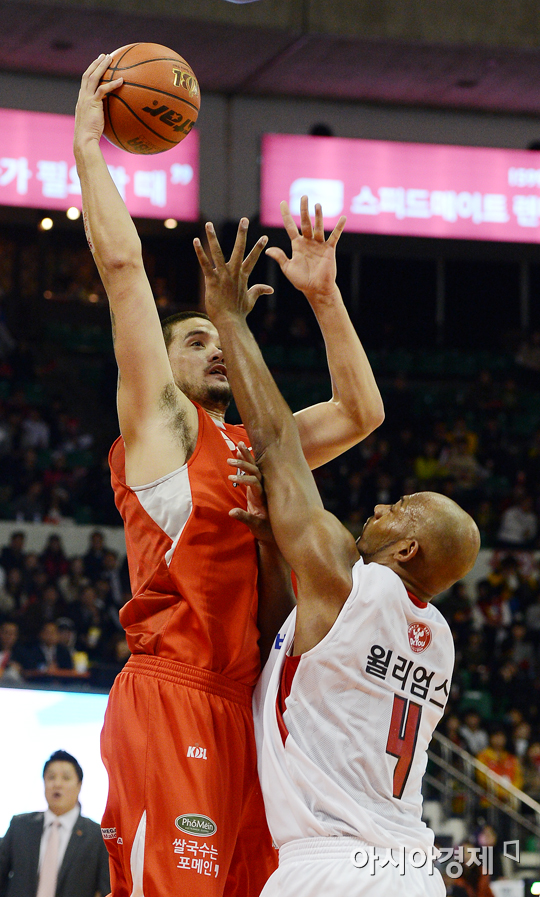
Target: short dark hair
[64,757]
[167,325]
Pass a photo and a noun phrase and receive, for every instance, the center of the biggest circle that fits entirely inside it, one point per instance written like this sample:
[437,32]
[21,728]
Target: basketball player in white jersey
[360,672]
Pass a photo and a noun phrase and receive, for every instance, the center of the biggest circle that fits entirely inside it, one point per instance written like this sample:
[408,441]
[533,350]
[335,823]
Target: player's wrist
[323,296]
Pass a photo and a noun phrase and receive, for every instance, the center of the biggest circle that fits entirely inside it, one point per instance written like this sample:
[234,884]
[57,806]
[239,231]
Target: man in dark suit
[47,655]
[58,853]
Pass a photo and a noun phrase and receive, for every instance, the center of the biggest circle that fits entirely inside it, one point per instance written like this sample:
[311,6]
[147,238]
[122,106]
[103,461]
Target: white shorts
[329,867]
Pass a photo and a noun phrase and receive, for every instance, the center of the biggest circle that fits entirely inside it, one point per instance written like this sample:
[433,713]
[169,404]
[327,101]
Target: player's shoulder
[377,576]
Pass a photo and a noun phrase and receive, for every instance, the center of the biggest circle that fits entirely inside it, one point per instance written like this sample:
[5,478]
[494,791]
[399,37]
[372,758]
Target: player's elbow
[366,417]
[123,257]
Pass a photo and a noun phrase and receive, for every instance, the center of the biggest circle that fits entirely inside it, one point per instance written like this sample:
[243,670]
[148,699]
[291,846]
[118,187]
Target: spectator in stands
[464,469]
[11,654]
[67,636]
[473,733]
[111,573]
[509,687]
[45,609]
[35,431]
[427,468]
[30,506]
[457,609]
[88,616]
[519,650]
[531,771]
[521,738]
[519,525]
[53,558]
[72,582]
[13,555]
[47,655]
[501,761]
[492,602]
[94,557]
[31,565]
[13,595]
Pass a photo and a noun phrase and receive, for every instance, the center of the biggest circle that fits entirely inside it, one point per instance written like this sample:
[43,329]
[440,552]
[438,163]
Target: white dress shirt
[67,822]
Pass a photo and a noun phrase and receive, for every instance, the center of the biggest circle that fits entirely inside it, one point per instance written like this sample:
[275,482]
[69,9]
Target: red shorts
[185,814]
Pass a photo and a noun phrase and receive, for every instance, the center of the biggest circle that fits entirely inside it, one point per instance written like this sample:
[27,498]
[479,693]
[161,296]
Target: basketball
[158,103]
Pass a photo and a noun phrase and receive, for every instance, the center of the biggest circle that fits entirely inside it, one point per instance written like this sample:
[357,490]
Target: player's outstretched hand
[312,268]
[89,121]
[226,282]
[249,476]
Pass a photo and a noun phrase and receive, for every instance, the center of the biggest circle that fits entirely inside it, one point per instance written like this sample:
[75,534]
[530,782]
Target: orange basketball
[158,103]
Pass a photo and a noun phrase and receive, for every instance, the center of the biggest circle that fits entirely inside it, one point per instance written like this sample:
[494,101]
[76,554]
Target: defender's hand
[312,268]
[226,282]
[256,515]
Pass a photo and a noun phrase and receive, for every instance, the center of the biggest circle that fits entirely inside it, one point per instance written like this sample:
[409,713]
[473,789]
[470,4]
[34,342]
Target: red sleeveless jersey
[193,569]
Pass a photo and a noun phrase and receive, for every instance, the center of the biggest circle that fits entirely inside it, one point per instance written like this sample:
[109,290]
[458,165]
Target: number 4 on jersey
[402,737]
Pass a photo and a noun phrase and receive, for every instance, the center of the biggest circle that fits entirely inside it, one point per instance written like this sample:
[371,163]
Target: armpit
[175,418]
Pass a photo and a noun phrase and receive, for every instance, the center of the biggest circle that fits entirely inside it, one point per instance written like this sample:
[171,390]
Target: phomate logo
[196,824]
[419,637]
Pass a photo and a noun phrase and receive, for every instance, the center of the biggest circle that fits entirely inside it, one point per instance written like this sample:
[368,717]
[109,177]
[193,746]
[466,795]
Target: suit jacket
[84,869]
[34,658]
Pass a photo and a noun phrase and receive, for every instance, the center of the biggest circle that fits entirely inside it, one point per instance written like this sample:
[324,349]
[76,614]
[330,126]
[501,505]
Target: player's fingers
[278,255]
[336,233]
[97,68]
[258,290]
[204,261]
[214,245]
[288,220]
[318,230]
[249,468]
[107,86]
[93,66]
[246,453]
[239,247]
[253,257]
[246,480]
[243,516]
[305,221]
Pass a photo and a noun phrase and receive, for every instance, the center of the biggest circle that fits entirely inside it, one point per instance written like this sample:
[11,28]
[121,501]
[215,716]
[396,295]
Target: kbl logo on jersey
[419,637]
[199,753]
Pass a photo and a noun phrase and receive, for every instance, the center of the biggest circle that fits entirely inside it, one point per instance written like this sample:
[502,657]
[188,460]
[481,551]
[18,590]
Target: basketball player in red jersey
[184,813]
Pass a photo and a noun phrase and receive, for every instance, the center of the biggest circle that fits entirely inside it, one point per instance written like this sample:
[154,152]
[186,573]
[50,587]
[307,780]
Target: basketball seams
[176,59]
[145,125]
[160,91]
[115,67]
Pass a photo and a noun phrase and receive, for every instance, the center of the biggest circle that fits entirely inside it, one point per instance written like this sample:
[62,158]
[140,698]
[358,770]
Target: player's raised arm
[146,378]
[318,548]
[356,408]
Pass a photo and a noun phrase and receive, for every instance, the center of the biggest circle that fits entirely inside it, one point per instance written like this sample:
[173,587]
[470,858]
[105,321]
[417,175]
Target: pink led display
[37,169]
[408,189]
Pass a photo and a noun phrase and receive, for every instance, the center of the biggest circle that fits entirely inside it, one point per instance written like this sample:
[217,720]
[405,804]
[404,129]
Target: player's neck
[216,414]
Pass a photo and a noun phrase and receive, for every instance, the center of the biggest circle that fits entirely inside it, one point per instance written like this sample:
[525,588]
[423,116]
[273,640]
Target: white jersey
[360,714]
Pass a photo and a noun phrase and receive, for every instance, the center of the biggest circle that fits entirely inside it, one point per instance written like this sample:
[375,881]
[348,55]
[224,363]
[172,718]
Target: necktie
[49,866]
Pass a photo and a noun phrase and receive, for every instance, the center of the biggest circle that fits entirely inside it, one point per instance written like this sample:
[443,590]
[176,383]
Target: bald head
[426,538]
